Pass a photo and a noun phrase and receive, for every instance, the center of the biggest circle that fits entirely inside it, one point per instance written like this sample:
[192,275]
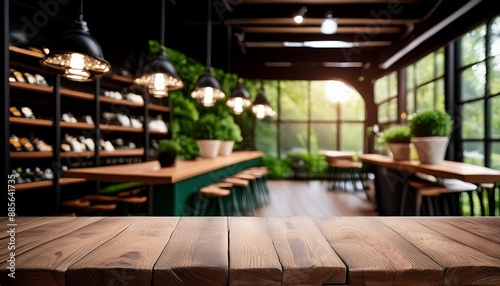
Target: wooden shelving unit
[31,122]
[30,155]
[105,127]
[84,154]
[77,125]
[157,107]
[31,87]
[47,184]
[123,102]
[25,52]
[123,153]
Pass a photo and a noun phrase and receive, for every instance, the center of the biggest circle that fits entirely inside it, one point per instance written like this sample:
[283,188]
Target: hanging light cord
[209,34]
[81,7]
[162,27]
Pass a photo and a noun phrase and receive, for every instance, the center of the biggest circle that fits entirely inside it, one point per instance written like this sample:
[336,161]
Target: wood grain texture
[126,259]
[43,233]
[479,226]
[466,237]
[151,173]
[24,223]
[196,254]
[305,255]
[46,264]
[464,265]
[376,255]
[252,257]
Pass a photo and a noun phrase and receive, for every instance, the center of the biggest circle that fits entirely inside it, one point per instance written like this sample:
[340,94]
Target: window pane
[265,134]
[410,101]
[353,108]
[293,136]
[473,82]
[323,137]
[352,136]
[473,153]
[322,107]
[410,74]
[495,117]
[495,37]
[495,155]
[271,91]
[381,89]
[473,120]
[494,75]
[425,97]
[294,100]
[393,84]
[473,46]
[393,109]
[425,69]
[439,95]
[383,112]
[440,62]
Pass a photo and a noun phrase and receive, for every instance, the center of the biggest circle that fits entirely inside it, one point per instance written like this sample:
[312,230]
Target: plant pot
[167,159]
[400,151]
[226,148]
[430,150]
[209,148]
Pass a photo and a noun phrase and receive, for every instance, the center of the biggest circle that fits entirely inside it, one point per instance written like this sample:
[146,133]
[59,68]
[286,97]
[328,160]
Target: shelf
[31,87]
[77,125]
[26,52]
[47,184]
[120,153]
[32,122]
[77,154]
[121,78]
[106,127]
[157,133]
[77,94]
[124,102]
[30,155]
[157,107]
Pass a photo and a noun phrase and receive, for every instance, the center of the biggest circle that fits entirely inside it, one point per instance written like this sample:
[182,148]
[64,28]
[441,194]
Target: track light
[300,16]
[329,25]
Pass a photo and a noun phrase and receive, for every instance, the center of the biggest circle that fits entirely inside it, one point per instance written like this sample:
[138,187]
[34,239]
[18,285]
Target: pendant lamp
[239,98]
[77,56]
[160,75]
[261,107]
[207,89]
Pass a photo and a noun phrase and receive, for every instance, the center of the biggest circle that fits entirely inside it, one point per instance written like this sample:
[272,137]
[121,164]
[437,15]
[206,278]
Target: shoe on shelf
[31,78]
[27,146]
[14,111]
[27,112]
[40,80]
[15,145]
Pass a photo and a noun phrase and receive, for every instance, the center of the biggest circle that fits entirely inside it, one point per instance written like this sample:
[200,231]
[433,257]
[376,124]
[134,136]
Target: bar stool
[233,204]
[489,188]
[86,207]
[212,201]
[343,172]
[261,190]
[428,191]
[126,205]
[252,189]
[240,189]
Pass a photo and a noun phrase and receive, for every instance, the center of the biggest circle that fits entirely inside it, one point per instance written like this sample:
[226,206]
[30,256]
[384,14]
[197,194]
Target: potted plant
[167,152]
[430,131]
[229,133]
[207,132]
[398,138]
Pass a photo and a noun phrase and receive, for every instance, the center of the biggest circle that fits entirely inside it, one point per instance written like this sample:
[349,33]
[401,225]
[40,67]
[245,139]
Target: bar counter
[87,251]
[173,187]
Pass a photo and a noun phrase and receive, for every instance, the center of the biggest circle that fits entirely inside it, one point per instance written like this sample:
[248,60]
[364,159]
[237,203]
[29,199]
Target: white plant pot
[226,148]
[430,150]
[209,148]
[400,151]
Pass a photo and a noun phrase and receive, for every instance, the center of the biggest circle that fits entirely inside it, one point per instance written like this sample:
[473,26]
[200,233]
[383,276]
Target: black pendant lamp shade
[207,89]
[160,76]
[261,107]
[77,56]
[239,99]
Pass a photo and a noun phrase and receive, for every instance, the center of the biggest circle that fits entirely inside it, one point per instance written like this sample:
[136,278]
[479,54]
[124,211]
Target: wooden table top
[335,154]
[252,251]
[152,173]
[448,169]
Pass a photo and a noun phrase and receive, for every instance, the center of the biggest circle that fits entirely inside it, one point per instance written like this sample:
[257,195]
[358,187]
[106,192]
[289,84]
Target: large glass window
[479,94]
[313,116]
[386,98]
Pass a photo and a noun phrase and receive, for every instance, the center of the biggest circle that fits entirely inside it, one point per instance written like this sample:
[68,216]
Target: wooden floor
[313,199]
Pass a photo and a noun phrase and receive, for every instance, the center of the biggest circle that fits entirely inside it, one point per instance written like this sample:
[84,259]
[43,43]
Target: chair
[213,201]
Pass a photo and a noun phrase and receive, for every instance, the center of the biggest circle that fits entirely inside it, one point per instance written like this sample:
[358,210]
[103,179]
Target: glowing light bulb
[208,96]
[260,112]
[77,61]
[238,105]
[298,19]
[158,89]
[76,69]
[329,26]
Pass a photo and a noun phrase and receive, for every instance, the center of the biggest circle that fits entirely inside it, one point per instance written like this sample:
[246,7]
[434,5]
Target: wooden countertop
[253,251]
[448,169]
[151,173]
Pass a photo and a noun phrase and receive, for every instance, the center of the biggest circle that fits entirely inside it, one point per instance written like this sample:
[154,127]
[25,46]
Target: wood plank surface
[24,223]
[305,255]
[464,265]
[196,254]
[126,259]
[46,264]
[376,255]
[151,173]
[43,233]
[252,257]
[478,226]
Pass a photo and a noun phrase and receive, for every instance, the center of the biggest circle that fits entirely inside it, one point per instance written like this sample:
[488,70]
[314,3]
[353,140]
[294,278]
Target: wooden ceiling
[259,39]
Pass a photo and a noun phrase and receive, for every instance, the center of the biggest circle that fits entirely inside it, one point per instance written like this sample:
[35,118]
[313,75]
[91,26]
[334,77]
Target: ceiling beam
[326,1]
[316,30]
[318,21]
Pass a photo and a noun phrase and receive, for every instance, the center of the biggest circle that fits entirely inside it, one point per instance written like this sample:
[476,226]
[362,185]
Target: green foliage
[229,130]
[184,108]
[278,168]
[168,146]
[430,123]
[189,147]
[315,164]
[397,134]
[115,188]
[208,127]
